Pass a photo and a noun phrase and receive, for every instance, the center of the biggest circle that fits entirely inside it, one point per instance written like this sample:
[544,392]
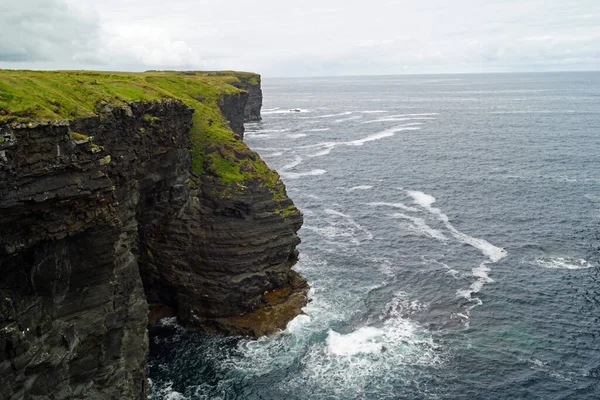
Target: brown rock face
[97,211]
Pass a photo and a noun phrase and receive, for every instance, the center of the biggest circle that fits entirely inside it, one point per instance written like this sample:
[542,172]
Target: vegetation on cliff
[36,96]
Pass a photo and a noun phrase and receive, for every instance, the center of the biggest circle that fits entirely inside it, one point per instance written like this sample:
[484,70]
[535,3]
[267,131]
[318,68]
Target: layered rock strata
[140,202]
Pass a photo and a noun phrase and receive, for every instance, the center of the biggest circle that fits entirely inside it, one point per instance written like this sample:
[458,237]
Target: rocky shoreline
[137,207]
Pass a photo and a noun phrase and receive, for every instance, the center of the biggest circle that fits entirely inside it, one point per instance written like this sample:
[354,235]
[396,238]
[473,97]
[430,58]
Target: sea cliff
[122,193]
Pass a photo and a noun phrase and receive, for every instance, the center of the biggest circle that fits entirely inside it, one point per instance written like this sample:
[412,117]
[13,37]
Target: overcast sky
[302,38]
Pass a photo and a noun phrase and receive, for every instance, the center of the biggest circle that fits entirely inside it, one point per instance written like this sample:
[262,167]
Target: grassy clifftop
[32,96]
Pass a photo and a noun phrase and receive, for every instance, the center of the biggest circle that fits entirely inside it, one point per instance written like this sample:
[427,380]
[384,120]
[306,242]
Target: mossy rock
[31,96]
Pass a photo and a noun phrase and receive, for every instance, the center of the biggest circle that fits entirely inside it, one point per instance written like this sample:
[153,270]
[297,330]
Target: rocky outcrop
[233,109]
[101,215]
[254,104]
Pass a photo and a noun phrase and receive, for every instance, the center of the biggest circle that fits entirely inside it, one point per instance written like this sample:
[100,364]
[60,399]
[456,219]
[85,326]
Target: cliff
[119,190]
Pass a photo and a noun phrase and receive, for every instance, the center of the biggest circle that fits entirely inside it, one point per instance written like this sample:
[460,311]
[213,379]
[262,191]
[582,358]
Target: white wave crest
[364,340]
[360,187]
[296,135]
[380,135]
[419,226]
[327,147]
[562,263]
[393,205]
[425,200]
[334,115]
[297,161]
[297,175]
[493,253]
[353,118]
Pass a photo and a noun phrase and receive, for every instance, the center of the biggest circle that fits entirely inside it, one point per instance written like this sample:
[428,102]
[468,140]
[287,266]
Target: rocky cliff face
[254,104]
[101,215]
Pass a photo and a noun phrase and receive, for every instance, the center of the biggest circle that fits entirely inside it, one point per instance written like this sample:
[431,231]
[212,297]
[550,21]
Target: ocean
[451,241]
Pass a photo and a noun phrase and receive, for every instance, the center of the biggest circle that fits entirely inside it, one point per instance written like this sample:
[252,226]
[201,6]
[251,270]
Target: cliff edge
[119,191]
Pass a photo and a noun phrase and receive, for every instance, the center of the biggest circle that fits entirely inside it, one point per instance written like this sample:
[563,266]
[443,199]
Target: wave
[350,220]
[364,340]
[297,161]
[325,151]
[337,121]
[419,226]
[348,363]
[164,392]
[563,263]
[318,130]
[493,253]
[279,111]
[373,111]
[327,147]
[425,200]
[341,230]
[297,175]
[394,205]
[276,154]
[333,115]
[380,135]
[360,187]
[395,119]
[296,135]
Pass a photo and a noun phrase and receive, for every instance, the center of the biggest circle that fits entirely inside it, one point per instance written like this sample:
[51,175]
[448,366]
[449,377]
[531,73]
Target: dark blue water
[451,240]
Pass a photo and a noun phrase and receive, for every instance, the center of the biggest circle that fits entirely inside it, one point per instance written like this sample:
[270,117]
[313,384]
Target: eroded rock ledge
[137,201]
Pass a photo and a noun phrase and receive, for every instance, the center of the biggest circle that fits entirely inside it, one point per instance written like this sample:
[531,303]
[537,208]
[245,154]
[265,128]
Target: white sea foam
[563,263]
[360,187]
[291,110]
[297,161]
[341,230]
[271,130]
[373,111]
[414,115]
[165,392]
[297,175]
[318,130]
[480,272]
[326,150]
[423,199]
[327,147]
[350,220]
[275,112]
[380,135]
[393,205]
[494,253]
[349,362]
[298,324]
[296,135]
[353,118]
[420,227]
[396,119]
[364,340]
[330,368]
[276,154]
[333,115]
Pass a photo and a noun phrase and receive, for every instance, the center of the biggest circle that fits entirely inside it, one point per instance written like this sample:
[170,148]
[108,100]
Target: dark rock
[88,225]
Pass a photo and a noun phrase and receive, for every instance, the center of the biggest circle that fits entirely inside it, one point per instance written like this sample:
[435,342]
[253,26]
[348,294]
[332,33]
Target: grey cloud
[45,30]
[314,37]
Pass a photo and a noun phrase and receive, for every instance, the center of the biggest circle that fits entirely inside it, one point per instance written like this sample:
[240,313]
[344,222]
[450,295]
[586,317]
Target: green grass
[32,96]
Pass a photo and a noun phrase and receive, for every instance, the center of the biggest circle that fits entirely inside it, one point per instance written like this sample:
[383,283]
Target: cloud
[46,30]
[335,37]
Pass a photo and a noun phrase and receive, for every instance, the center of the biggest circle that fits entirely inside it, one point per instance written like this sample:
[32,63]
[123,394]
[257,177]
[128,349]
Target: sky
[302,38]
